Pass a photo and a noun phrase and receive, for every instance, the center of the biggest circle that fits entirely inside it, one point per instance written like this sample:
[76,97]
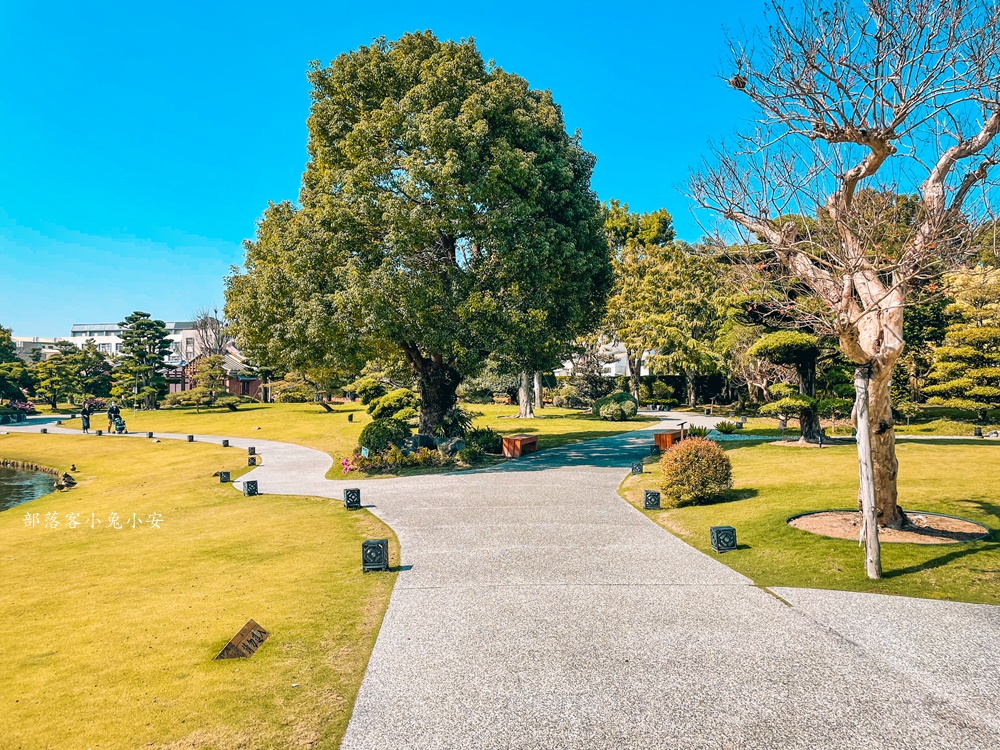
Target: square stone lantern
[723,538]
[375,555]
[250,487]
[224,477]
[654,450]
[251,460]
[637,467]
[651,500]
[149,434]
[190,438]
[225,443]
[352,498]
[251,451]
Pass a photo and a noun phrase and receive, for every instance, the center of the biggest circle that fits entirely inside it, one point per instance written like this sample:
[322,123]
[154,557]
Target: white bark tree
[855,98]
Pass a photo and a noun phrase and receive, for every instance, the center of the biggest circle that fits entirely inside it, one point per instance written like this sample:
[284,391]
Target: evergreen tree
[966,371]
[8,352]
[139,370]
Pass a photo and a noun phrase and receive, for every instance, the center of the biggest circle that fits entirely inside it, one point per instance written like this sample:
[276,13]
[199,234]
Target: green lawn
[774,482]
[310,425]
[110,634]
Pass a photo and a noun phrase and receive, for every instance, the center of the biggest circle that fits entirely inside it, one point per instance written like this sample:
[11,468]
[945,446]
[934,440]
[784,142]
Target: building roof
[180,324]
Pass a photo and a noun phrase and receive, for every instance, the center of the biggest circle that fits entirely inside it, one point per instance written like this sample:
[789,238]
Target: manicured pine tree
[139,369]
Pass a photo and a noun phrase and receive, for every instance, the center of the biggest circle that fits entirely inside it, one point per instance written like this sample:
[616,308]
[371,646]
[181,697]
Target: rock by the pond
[449,447]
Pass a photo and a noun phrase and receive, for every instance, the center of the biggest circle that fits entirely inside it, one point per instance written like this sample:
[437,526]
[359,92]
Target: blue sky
[139,142]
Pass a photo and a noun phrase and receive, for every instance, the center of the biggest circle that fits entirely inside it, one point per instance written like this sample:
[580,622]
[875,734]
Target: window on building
[244,387]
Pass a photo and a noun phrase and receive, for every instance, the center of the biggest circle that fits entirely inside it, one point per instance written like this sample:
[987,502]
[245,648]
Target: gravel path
[536,609]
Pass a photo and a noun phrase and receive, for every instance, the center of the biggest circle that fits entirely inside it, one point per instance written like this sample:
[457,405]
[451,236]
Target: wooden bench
[666,438]
[515,446]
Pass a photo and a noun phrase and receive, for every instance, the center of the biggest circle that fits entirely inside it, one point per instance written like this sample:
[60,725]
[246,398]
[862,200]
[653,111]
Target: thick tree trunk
[883,447]
[635,372]
[812,430]
[866,473]
[524,396]
[539,396]
[436,383]
[689,382]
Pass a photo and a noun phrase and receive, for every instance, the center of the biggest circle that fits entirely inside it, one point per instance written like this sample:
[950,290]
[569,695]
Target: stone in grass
[651,500]
[374,555]
[723,538]
[352,498]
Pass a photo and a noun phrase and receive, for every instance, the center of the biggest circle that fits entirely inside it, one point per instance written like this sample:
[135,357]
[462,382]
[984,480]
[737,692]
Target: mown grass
[774,482]
[310,425]
[110,635]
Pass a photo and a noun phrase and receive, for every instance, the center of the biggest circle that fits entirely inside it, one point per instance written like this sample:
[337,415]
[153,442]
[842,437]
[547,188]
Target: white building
[25,345]
[107,336]
[618,364]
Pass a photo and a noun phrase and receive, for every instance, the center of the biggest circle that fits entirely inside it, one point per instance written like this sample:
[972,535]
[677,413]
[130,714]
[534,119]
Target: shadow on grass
[941,560]
[731,496]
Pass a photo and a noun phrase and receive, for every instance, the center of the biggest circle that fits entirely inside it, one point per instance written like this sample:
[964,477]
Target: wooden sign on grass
[245,643]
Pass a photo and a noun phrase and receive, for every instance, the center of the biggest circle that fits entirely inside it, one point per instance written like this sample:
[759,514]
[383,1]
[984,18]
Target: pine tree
[966,371]
[140,367]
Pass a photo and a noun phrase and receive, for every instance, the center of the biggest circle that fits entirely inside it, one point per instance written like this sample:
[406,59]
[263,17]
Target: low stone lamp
[723,538]
[190,438]
[654,450]
[352,498]
[99,432]
[350,417]
[149,434]
[44,431]
[250,487]
[651,500]
[225,443]
[977,432]
[375,555]
[637,467]
[251,460]
[223,477]
[251,451]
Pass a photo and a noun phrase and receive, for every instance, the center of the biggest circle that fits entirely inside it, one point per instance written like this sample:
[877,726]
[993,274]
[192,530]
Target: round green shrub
[612,412]
[388,404]
[406,414]
[627,406]
[694,471]
[380,434]
[367,388]
[485,440]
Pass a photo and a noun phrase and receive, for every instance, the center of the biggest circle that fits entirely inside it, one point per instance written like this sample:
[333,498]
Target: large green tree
[966,370]
[444,211]
[8,352]
[139,370]
[634,317]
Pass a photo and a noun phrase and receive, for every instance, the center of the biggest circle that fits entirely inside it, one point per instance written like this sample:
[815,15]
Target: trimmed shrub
[367,388]
[568,397]
[379,435]
[485,440]
[386,406]
[727,428]
[694,471]
[627,406]
[612,412]
[470,454]
[406,414]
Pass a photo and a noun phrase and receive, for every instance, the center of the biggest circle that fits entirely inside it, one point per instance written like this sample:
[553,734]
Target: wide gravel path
[536,609]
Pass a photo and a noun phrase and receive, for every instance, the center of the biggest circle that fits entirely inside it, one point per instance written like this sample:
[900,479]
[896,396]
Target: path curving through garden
[537,609]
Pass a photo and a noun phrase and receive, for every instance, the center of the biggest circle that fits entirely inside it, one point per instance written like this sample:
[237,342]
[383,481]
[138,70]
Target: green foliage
[694,471]
[406,414]
[726,427]
[367,389]
[793,405]
[569,397]
[379,435]
[16,378]
[470,454]
[139,369]
[8,352]
[446,215]
[485,439]
[966,371]
[456,423]
[210,381]
[616,407]
[907,409]
[392,402]
[698,432]
[792,348]
[835,408]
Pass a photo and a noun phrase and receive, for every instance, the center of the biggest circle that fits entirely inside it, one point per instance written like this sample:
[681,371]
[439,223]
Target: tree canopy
[446,214]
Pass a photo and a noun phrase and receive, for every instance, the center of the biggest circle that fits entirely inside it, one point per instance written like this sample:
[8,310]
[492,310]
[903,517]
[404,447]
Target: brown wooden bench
[666,438]
[517,445]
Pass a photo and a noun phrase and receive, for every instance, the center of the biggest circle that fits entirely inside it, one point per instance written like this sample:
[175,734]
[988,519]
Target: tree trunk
[436,383]
[883,448]
[689,382]
[539,396]
[524,397]
[812,430]
[866,473]
[635,372]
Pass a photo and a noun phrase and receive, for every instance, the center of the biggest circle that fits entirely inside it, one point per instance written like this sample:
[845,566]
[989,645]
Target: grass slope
[775,482]
[110,635]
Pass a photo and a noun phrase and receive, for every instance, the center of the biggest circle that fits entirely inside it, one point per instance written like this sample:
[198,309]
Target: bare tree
[883,97]
[211,332]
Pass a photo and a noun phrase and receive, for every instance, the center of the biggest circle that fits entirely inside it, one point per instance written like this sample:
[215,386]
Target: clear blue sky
[139,142]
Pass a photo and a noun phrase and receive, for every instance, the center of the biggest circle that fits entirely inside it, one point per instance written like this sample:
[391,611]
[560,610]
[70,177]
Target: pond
[18,486]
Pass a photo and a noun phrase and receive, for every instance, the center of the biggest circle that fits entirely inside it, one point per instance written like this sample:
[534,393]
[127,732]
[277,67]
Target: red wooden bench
[517,445]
